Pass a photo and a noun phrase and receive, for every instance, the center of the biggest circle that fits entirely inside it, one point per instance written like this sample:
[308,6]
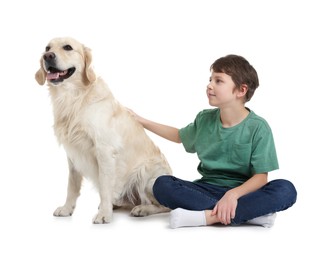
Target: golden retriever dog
[103,141]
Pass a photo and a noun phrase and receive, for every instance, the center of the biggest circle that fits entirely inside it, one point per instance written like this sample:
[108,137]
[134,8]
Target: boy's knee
[161,186]
[160,182]
[288,190]
[291,190]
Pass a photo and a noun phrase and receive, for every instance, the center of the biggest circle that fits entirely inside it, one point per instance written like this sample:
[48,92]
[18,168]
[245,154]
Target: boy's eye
[217,81]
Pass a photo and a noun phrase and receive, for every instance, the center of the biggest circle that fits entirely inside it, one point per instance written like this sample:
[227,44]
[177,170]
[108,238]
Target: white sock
[187,218]
[265,221]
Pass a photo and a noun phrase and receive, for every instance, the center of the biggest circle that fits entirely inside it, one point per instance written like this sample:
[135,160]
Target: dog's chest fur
[68,126]
[73,132]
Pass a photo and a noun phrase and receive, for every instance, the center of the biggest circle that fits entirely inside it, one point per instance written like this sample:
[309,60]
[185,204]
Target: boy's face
[221,90]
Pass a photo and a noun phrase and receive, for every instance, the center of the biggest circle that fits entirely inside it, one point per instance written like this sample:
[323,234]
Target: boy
[236,151]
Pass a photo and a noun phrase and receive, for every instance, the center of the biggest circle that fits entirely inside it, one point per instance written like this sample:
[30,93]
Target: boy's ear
[242,90]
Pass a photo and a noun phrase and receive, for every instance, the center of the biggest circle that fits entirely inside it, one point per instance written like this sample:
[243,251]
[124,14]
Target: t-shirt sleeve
[264,157]
[188,135]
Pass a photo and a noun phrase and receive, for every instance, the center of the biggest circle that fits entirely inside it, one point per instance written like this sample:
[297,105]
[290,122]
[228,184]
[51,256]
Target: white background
[155,56]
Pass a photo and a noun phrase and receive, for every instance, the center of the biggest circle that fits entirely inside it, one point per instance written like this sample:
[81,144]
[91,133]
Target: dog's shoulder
[99,91]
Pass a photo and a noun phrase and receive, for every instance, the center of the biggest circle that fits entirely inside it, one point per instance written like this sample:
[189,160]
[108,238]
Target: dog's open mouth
[54,75]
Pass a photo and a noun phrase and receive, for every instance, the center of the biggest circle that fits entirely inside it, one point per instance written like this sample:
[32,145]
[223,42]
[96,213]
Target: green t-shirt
[230,156]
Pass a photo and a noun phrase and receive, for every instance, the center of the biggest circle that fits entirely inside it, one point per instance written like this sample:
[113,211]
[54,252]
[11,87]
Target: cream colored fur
[103,141]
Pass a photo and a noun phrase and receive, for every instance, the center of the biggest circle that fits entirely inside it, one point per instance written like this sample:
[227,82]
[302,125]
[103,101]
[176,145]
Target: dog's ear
[90,75]
[40,75]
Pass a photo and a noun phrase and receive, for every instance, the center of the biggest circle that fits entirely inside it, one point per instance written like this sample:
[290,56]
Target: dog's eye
[67,47]
[47,48]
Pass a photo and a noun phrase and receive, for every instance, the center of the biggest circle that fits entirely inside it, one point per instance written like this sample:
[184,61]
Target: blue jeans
[276,195]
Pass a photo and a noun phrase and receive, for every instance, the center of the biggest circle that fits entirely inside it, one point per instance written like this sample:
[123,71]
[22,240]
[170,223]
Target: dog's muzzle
[55,75]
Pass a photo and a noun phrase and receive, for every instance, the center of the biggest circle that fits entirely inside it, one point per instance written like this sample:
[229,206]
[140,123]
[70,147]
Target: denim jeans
[276,195]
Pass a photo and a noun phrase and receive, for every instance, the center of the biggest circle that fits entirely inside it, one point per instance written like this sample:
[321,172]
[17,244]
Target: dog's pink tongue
[53,75]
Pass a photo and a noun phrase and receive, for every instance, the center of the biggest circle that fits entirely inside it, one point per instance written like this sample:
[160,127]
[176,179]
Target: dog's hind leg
[146,210]
[149,205]
[73,192]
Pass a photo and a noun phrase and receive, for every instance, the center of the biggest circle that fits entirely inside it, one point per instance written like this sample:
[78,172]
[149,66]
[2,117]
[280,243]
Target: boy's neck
[233,116]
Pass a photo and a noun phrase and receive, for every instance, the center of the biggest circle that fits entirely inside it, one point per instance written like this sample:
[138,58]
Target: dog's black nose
[49,56]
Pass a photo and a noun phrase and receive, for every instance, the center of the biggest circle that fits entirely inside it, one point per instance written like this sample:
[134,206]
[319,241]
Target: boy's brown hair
[240,71]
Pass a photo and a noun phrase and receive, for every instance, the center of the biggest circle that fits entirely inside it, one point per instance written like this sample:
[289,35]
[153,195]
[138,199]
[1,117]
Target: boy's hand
[135,116]
[225,208]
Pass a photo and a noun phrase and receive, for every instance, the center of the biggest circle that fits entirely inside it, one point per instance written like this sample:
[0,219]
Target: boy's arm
[165,131]
[252,184]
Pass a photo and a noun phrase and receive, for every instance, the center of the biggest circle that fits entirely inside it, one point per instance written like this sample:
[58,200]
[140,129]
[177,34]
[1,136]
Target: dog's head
[65,59]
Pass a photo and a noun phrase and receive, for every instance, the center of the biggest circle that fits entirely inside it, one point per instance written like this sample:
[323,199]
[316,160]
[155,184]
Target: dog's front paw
[64,211]
[102,218]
